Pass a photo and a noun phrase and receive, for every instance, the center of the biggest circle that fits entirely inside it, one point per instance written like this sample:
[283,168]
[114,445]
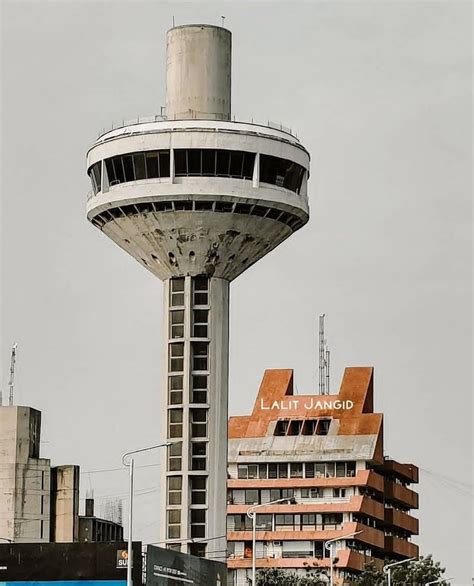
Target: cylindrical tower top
[198,72]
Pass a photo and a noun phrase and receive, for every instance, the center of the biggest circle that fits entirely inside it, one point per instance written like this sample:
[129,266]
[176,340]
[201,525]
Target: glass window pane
[164,163]
[249,160]
[128,168]
[151,164]
[139,163]
[109,166]
[223,162]
[119,174]
[208,162]
[236,163]
[180,163]
[194,161]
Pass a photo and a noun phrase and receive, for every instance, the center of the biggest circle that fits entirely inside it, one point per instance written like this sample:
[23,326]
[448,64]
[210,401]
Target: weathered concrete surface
[198,72]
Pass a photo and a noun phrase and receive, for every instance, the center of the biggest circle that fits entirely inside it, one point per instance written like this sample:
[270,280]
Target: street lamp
[388,568]
[438,581]
[130,464]
[328,545]
[251,514]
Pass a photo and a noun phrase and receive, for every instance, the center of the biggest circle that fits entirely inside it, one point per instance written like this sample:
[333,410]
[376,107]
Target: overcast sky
[379,93]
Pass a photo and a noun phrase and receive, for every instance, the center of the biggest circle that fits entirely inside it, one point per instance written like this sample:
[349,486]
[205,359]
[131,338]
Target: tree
[415,573]
[277,577]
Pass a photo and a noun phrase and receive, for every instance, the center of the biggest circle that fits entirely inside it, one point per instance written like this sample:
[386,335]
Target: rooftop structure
[197,198]
[326,452]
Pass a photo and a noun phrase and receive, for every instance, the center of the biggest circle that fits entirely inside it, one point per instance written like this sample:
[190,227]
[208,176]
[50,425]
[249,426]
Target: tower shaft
[197,356]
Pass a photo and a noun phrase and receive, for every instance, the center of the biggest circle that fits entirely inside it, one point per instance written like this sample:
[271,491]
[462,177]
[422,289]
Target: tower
[197,198]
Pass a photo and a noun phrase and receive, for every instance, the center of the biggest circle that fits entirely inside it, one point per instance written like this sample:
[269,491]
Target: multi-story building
[325,452]
[40,503]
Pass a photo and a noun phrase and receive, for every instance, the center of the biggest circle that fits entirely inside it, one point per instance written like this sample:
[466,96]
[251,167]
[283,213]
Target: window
[323,426]
[95,175]
[281,427]
[200,355]
[263,522]
[351,468]
[174,457]
[198,549]
[282,470]
[175,423]
[252,497]
[296,470]
[138,166]
[174,524]
[177,292]
[311,493]
[175,485]
[338,493]
[199,388]
[246,471]
[198,455]
[286,522]
[177,323]
[309,470]
[281,172]
[262,471]
[200,323]
[295,427]
[340,469]
[198,522]
[198,423]
[176,360]
[309,427]
[214,162]
[272,471]
[320,470]
[200,291]
[175,389]
[198,490]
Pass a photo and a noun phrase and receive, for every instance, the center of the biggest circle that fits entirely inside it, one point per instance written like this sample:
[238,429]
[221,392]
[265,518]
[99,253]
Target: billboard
[165,567]
[50,564]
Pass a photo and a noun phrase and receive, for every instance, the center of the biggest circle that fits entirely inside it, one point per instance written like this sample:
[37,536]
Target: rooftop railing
[162,118]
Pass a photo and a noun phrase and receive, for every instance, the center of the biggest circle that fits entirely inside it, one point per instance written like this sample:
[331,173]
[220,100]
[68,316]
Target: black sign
[165,567]
[39,562]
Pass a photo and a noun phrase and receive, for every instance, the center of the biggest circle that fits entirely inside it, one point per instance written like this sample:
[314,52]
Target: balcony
[400,547]
[367,478]
[407,472]
[400,493]
[354,504]
[368,535]
[403,520]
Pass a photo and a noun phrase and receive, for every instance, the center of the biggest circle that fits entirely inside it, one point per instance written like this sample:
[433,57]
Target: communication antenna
[324,358]
[12,372]
[223,19]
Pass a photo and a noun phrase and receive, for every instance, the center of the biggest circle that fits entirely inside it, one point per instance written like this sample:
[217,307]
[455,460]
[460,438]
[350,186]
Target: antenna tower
[324,359]
[12,372]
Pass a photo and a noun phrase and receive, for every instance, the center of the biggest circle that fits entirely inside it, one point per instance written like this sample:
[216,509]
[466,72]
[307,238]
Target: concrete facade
[64,504]
[197,199]
[24,477]
[325,452]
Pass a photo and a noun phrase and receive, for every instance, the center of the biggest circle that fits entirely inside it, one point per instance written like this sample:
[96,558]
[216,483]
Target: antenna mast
[324,356]
[12,372]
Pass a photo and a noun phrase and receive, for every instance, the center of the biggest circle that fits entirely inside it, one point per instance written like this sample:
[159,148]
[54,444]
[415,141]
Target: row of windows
[199,389]
[213,163]
[199,325]
[200,291]
[199,356]
[197,206]
[198,162]
[297,470]
[198,523]
[318,426]
[197,423]
[197,456]
[285,522]
[197,487]
[258,497]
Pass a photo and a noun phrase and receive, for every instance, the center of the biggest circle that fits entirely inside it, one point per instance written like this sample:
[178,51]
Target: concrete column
[201,397]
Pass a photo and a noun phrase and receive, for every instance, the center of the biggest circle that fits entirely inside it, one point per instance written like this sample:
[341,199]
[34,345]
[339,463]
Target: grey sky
[380,95]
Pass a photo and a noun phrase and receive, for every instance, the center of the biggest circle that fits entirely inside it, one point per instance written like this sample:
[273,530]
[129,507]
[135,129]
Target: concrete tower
[197,199]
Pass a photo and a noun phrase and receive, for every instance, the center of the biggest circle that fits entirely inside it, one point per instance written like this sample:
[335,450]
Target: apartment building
[325,454]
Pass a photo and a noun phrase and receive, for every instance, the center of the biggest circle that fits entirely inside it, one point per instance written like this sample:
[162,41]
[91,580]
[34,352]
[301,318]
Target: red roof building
[325,453]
